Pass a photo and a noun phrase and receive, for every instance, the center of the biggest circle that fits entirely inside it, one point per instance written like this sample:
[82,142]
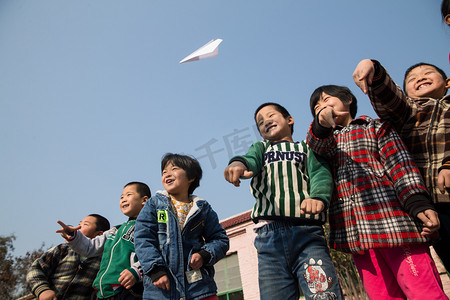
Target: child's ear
[98,232]
[144,199]
[447,19]
[447,83]
[290,120]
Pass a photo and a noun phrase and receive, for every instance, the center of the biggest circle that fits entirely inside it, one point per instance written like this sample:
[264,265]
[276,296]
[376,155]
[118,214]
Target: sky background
[92,94]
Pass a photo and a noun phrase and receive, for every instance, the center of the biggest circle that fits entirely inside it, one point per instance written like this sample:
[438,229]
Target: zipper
[110,259]
[428,139]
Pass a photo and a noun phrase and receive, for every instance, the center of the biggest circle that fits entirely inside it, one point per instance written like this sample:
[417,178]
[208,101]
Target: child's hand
[236,170]
[443,180]
[430,221]
[127,279]
[363,74]
[328,115]
[196,261]
[311,206]
[66,231]
[47,295]
[163,283]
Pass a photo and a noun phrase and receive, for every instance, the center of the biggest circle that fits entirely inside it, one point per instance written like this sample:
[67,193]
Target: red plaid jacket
[375,178]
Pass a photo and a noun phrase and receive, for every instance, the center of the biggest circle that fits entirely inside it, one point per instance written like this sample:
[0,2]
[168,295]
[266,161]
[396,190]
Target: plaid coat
[423,124]
[62,270]
[374,177]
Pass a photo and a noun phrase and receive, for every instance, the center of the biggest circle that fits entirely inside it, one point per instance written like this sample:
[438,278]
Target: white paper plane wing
[211,49]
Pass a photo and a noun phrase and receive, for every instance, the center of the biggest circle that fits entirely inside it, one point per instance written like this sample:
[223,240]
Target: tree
[7,274]
[13,270]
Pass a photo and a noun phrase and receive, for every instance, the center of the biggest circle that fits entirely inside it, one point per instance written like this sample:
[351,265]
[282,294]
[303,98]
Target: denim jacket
[159,242]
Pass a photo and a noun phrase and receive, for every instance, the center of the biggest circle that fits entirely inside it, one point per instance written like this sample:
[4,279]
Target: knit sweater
[285,174]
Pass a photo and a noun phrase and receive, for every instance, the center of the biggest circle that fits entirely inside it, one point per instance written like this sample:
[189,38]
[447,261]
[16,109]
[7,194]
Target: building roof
[236,219]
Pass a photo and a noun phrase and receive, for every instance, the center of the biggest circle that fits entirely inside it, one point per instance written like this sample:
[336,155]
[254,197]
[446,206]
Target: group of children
[385,183]
[176,236]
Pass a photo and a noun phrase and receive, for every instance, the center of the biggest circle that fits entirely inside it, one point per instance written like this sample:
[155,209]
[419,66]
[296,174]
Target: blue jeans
[292,256]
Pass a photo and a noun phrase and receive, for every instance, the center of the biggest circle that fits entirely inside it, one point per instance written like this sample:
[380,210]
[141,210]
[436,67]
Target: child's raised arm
[67,231]
[236,170]
[363,74]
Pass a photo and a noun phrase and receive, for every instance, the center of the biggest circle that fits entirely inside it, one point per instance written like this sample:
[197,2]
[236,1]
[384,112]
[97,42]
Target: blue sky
[92,94]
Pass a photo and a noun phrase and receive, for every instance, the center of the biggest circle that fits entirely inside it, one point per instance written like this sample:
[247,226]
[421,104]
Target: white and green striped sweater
[284,174]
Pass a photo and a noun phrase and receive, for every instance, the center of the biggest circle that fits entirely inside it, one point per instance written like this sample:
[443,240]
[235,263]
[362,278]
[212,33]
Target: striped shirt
[375,177]
[423,124]
[284,174]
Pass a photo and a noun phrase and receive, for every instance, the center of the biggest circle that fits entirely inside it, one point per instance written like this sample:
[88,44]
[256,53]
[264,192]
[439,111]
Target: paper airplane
[211,49]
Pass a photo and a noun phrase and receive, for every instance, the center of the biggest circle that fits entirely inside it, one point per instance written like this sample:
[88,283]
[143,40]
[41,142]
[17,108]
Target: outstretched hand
[363,74]
[66,231]
[236,170]
[430,221]
[328,115]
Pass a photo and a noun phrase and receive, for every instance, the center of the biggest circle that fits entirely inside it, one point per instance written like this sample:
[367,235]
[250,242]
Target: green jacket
[117,246]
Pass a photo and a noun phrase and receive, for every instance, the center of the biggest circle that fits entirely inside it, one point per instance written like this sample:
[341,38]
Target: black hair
[279,108]
[440,71]
[189,164]
[101,223]
[343,93]
[445,9]
[141,188]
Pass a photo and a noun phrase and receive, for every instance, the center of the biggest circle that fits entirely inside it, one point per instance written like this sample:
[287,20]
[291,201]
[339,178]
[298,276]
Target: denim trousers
[290,257]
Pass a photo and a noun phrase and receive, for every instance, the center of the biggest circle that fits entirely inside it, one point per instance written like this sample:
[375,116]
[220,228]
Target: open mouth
[423,85]
[270,127]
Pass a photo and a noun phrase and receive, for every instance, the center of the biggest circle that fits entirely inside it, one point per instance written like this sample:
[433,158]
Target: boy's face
[273,126]
[426,82]
[337,104]
[175,180]
[131,201]
[89,227]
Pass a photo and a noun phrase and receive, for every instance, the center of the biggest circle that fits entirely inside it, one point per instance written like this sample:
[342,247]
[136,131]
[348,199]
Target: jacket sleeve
[399,165]
[388,100]
[41,270]
[216,239]
[321,139]
[146,239]
[253,159]
[135,267]
[87,247]
[320,178]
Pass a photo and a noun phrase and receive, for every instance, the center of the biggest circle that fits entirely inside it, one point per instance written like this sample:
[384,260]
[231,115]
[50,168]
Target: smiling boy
[292,188]
[179,237]
[119,270]
[421,116]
